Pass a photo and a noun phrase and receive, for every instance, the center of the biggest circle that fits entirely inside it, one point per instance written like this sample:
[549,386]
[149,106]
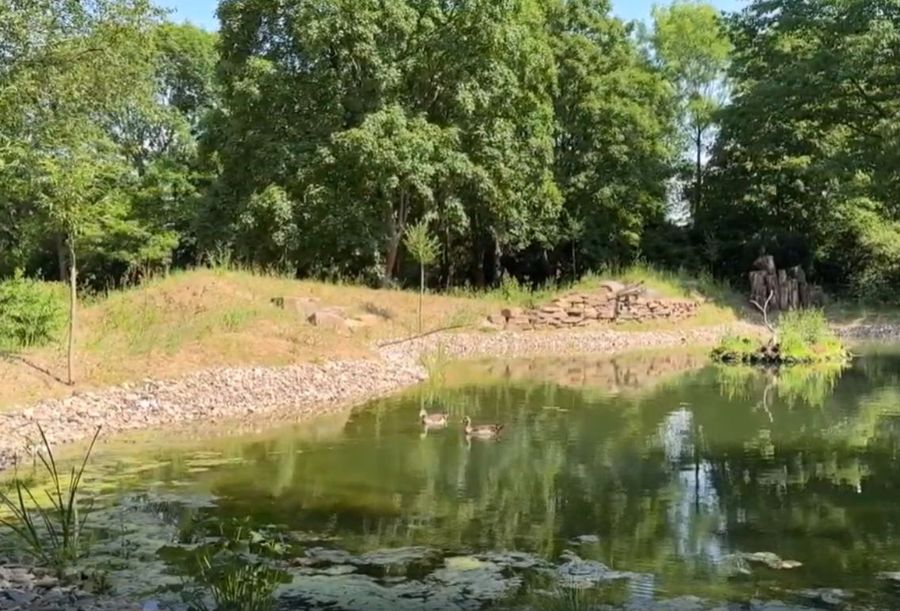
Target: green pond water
[640,482]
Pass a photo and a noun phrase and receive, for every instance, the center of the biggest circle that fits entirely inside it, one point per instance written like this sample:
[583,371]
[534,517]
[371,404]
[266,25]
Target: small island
[800,337]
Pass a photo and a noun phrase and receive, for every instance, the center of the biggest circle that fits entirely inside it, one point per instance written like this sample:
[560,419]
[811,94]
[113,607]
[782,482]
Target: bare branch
[764,309]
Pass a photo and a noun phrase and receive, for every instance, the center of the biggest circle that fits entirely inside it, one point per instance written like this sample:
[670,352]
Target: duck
[432,420]
[486,431]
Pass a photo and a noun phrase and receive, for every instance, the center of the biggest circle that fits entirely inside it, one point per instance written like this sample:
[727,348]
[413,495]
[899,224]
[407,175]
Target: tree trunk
[574,262]
[73,297]
[446,270]
[391,259]
[61,258]
[698,183]
[396,225]
[421,292]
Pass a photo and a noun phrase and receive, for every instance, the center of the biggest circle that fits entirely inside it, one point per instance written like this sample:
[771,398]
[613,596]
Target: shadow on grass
[17,359]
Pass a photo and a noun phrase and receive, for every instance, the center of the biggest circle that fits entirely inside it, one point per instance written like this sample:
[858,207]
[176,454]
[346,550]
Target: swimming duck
[432,420]
[486,431]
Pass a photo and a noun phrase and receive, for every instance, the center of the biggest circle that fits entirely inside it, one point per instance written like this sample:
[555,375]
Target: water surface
[668,472]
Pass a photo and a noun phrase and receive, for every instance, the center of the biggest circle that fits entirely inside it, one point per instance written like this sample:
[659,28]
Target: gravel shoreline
[302,391]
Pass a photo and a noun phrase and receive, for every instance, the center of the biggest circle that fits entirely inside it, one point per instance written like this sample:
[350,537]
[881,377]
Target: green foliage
[421,244]
[807,163]
[693,49]
[235,573]
[613,154]
[30,313]
[806,336]
[541,139]
[424,249]
[52,535]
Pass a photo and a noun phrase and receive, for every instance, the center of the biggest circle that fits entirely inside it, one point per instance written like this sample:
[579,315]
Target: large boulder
[328,319]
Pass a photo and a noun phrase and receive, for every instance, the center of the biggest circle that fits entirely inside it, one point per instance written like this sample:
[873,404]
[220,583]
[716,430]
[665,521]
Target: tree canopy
[537,138]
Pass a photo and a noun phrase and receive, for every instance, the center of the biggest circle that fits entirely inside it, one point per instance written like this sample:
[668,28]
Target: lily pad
[828,596]
[466,563]
[397,557]
[322,555]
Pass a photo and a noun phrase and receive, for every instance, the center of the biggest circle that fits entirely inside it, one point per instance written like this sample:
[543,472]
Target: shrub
[30,313]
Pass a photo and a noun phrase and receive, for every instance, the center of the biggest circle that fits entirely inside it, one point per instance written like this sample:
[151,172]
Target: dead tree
[764,310]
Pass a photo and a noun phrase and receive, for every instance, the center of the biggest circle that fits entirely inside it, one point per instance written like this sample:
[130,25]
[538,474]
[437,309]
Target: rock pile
[611,303]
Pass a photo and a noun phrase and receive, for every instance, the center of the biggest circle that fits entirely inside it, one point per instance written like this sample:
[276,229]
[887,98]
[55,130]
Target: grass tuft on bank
[800,337]
[191,320]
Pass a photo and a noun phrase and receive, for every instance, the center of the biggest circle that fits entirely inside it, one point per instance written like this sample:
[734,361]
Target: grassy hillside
[204,318]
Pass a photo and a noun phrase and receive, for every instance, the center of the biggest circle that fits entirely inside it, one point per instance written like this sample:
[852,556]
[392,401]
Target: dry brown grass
[207,318]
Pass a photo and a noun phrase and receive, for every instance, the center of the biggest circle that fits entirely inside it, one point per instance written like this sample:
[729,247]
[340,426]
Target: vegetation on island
[798,337]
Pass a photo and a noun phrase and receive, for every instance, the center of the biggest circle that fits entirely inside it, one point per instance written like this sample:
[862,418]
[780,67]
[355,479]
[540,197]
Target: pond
[648,481]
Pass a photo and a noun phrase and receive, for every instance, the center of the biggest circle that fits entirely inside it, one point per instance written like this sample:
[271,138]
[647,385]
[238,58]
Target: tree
[614,122]
[487,69]
[693,49]
[424,249]
[71,65]
[389,165]
[807,161]
[72,184]
[305,83]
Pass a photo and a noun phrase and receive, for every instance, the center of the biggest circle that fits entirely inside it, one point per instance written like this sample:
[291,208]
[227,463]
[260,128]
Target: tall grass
[52,535]
[805,335]
[668,283]
[802,336]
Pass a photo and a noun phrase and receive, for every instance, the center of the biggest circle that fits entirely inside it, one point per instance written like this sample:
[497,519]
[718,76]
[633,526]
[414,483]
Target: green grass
[805,336]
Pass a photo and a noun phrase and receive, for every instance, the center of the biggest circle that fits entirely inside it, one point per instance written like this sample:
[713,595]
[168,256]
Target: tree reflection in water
[672,468]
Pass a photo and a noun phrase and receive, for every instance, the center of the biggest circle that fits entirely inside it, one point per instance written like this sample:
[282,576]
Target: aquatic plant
[52,535]
[235,574]
[236,586]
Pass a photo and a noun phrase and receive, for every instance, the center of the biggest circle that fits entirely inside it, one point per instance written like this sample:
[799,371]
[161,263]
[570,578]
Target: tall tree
[297,75]
[614,126]
[692,47]
[807,160]
[70,66]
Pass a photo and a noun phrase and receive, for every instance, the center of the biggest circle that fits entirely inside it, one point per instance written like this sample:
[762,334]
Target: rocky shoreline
[301,391]
[24,589]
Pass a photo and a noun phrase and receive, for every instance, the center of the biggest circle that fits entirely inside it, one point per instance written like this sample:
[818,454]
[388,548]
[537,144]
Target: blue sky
[202,12]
